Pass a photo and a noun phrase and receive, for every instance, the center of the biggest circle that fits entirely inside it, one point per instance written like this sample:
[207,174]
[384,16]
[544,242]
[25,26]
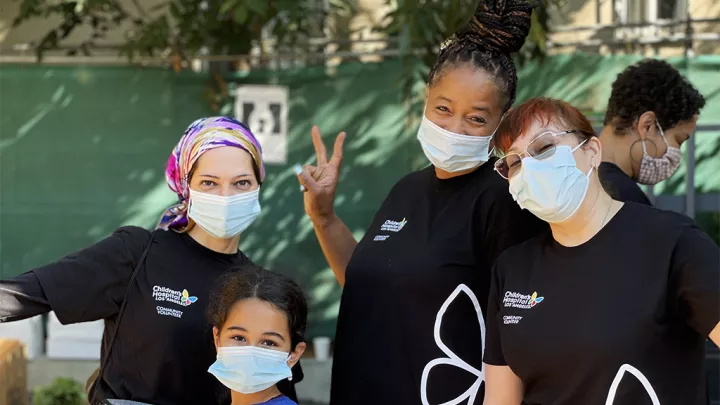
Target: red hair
[546,110]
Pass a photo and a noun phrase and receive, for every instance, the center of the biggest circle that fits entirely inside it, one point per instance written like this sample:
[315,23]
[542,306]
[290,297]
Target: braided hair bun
[498,25]
[497,29]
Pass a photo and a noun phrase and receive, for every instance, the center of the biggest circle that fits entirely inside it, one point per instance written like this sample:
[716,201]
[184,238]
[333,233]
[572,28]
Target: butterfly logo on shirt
[534,299]
[187,299]
[453,359]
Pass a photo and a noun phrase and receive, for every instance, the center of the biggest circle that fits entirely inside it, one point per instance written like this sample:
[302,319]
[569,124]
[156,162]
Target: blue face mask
[553,188]
[249,369]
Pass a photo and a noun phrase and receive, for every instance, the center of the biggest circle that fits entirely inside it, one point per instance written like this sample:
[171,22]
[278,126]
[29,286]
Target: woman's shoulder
[650,217]
[131,231]
[134,238]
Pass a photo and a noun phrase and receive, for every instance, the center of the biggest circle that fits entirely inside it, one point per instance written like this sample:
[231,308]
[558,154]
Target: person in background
[163,343]
[259,320]
[411,322]
[613,306]
[652,110]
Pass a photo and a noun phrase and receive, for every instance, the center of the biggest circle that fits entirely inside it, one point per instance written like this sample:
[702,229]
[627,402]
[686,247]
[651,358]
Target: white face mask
[654,170]
[453,152]
[250,369]
[554,188]
[224,217]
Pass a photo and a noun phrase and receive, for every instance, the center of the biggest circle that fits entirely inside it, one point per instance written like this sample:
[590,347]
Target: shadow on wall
[82,151]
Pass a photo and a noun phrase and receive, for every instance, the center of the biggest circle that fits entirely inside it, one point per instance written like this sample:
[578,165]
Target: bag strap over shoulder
[106,358]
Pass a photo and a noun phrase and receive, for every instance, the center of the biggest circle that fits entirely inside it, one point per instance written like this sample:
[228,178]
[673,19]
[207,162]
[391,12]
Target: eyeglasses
[542,147]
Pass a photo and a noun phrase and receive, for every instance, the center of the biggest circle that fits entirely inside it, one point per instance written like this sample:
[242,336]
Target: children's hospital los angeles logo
[176,297]
[522,301]
[181,298]
[390,226]
[393,226]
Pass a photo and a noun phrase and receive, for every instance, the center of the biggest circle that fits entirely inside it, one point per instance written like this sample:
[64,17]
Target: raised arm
[84,286]
[320,183]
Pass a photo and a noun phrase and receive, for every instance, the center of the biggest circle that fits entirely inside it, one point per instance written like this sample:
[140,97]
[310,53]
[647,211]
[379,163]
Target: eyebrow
[474,107]
[536,136]
[241,329]
[212,176]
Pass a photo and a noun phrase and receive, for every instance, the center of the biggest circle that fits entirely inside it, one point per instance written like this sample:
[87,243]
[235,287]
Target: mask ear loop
[587,176]
[662,133]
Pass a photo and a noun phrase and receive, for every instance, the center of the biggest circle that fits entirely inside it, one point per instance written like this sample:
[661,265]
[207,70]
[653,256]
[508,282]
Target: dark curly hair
[652,85]
[252,281]
[496,30]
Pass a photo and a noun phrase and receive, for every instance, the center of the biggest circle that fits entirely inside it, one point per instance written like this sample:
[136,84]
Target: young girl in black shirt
[613,306]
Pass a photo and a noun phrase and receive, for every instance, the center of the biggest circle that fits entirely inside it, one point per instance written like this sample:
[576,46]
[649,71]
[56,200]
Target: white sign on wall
[265,109]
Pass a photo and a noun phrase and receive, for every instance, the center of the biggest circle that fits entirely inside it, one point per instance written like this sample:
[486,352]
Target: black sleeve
[493,345]
[505,224]
[90,284]
[22,297]
[695,269]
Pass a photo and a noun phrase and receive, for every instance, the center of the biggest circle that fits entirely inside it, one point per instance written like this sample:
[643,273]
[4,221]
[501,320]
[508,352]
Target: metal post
[650,193]
[690,177]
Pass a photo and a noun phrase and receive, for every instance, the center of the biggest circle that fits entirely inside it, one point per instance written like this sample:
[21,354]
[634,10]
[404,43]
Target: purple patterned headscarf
[201,136]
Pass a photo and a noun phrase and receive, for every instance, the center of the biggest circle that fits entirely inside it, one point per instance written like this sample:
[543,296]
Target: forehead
[257,316]
[227,160]
[466,84]
[536,127]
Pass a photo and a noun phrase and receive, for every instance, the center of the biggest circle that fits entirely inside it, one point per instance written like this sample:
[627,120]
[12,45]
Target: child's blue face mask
[249,369]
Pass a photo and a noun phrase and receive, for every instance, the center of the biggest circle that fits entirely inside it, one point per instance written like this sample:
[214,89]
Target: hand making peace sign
[321,181]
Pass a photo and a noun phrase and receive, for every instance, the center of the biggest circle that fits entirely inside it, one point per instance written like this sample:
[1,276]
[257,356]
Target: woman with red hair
[613,289]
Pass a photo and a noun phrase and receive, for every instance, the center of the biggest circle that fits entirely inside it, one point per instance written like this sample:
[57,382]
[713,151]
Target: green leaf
[241,15]
[259,6]
[227,6]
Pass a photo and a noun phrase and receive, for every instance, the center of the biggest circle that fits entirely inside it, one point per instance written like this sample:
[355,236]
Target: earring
[290,378]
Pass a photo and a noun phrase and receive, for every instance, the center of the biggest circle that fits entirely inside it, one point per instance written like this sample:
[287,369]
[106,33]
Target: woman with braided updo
[411,325]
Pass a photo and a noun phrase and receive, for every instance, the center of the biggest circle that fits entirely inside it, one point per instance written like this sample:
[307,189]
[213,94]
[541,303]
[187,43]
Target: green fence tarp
[83,151]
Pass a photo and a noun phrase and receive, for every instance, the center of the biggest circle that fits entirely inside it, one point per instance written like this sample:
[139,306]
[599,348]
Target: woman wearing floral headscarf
[152,288]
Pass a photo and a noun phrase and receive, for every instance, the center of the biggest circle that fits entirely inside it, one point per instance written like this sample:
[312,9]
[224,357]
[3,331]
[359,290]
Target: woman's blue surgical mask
[553,188]
[250,369]
[224,217]
[453,152]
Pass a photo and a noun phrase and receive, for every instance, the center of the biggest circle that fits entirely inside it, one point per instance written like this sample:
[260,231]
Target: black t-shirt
[599,322]
[165,345]
[411,322]
[619,185]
